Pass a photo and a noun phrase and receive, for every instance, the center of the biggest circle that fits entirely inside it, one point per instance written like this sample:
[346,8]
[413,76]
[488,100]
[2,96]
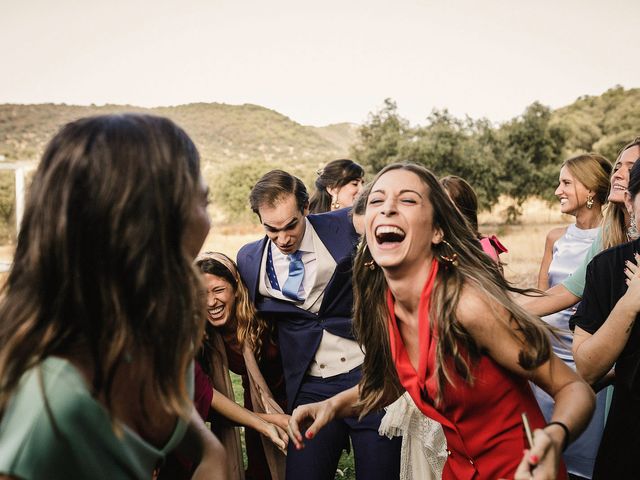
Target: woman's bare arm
[556,299]
[543,274]
[596,354]
[489,325]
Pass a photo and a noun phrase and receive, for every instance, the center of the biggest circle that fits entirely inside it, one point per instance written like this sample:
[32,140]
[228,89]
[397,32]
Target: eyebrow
[404,190]
[292,222]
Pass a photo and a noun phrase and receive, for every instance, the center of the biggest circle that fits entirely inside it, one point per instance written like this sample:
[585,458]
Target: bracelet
[567,434]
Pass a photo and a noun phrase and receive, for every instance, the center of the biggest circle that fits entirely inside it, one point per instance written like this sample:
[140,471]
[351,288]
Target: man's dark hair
[273,186]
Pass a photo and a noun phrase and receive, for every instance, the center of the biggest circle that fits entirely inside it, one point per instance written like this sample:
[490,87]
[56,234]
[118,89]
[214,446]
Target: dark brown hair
[273,186]
[464,197]
[456,349]
[335,174]
[100,262]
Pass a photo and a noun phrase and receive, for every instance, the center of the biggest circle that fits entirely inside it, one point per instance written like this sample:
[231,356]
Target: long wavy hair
[464,197]
[100,263]
[336,173]
[456,350]
[614,215]
[250,326]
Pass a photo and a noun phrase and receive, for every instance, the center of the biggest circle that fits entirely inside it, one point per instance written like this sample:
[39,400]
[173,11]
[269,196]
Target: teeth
[389,229]
[216,310]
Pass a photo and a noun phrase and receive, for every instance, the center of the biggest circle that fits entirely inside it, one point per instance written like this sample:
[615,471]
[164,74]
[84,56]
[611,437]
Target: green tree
[533,150]
[381,137]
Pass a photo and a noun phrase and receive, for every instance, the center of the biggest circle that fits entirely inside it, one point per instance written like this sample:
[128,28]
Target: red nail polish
[534,458]
[309,435]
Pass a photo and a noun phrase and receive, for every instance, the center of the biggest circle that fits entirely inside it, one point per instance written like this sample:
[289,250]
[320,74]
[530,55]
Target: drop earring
[589,202]
[335,205]
[453,259]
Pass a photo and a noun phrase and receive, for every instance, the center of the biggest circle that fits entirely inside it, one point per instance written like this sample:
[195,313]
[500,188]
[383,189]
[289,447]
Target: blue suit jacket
[300,331]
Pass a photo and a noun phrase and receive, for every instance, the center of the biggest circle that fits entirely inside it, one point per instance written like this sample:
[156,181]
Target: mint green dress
[73,437]
[576,281]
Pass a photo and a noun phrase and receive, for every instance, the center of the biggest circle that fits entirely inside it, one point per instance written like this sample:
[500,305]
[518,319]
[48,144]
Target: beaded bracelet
[567,434]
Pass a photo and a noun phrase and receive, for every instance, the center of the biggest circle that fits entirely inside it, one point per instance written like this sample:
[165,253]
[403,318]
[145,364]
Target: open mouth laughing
[389,235]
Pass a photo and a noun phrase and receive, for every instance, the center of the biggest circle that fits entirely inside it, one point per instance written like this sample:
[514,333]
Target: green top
[75,438]
[575,282]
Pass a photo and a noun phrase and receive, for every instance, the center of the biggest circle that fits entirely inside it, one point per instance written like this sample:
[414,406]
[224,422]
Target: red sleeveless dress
[482,423]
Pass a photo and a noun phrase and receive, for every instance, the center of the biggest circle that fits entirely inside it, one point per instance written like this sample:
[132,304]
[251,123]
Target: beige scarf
[262,401]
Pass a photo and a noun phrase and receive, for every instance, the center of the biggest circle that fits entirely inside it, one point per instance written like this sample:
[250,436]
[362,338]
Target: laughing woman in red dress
[435,318]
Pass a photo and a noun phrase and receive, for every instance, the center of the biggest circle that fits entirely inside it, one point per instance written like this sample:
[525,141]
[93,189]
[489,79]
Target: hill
[601,123]
[223,133]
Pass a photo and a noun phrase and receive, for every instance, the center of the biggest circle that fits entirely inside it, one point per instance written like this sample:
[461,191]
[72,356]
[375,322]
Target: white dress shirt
[335,355]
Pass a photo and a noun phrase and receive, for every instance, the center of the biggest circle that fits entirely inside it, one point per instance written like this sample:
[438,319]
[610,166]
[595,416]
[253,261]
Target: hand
[317,414]
[277,435]
[632,272]
[279,419]
[541,461]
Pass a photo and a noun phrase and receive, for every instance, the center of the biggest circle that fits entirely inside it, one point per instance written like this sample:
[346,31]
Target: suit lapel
[254,262]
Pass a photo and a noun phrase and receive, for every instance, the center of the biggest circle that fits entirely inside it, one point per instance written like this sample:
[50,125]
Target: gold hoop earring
[371,264]
[453,259]
[589,202]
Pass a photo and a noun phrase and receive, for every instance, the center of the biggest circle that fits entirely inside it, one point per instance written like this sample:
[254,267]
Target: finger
[278,442]
[628,273]
[319,422]
[541,444]
[523,472]
[283,435]
[294,433]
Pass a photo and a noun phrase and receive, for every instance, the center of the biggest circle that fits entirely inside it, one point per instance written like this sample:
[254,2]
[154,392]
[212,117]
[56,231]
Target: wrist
[559,433]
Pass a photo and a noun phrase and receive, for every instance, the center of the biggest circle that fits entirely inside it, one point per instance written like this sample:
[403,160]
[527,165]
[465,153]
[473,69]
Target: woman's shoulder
[555,233]
[49,413]
[476,309]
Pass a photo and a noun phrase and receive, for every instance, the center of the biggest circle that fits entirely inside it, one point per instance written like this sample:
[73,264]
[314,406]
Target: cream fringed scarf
[228,434]
[262,401]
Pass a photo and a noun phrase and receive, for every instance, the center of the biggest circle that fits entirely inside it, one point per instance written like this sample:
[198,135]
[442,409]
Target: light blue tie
[296,274]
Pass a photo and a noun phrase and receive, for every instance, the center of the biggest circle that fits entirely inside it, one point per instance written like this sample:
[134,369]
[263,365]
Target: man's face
[284,223]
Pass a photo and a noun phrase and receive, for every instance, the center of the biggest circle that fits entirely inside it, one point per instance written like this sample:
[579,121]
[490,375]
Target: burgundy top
[482,423]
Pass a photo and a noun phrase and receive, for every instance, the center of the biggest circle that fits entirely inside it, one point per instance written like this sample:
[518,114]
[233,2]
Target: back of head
[593,171]
[464,197]
[335,174]
[99,264]
[275,185]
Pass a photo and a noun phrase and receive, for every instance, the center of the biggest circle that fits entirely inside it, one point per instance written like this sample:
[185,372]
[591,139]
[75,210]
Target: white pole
[19,197]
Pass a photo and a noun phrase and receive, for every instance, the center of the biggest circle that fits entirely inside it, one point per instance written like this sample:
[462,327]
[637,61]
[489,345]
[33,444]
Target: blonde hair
[614,215]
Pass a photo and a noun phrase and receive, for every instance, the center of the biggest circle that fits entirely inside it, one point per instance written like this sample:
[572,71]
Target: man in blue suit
[299,276]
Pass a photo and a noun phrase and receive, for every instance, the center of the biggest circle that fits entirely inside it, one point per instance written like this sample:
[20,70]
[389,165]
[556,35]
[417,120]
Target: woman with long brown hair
[435,318]
[101,313]
[338,184]
[238,340]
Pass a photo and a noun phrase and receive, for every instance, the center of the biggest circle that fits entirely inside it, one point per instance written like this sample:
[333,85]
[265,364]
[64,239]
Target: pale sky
[319,62]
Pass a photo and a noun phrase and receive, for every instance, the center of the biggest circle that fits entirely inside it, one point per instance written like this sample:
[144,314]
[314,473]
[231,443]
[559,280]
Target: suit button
[448,452]
[322,365]
[342,359]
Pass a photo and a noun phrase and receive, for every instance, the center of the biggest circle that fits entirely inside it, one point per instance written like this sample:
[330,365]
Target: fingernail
[309,435]
[534,458]
[298,447]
